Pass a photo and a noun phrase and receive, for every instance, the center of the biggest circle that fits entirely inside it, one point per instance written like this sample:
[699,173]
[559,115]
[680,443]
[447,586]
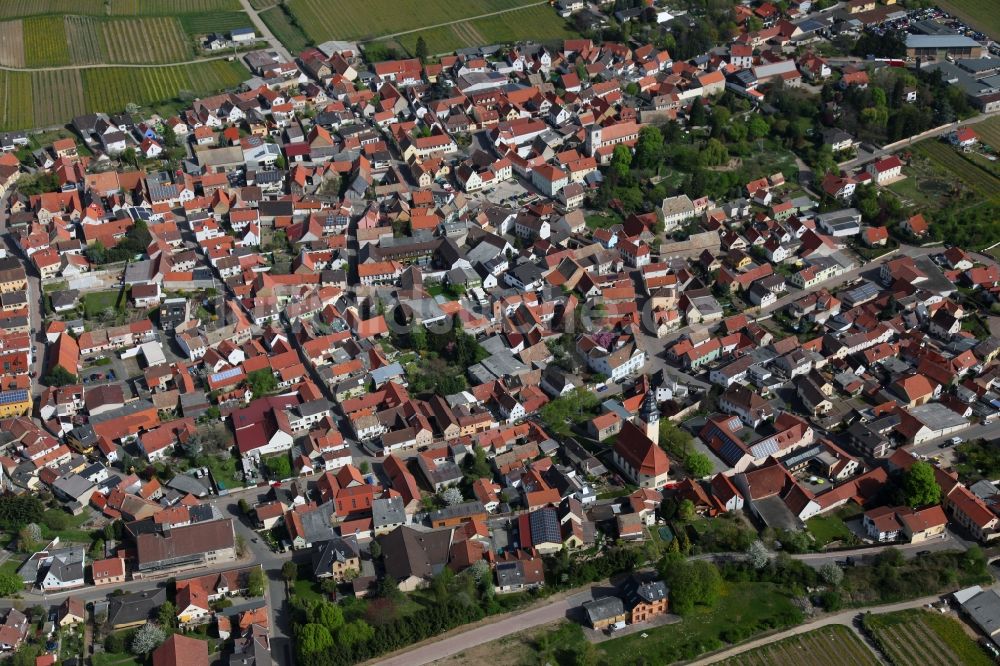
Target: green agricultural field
[537,23]
[145,40]
[202,24]
[84,36]
[369,19]
[916,637]
[19,8]
[16,101]
[58,96]
[952,162]
[263,4]
[835,645]
[280,23]
[170,7]
[111,89]
[45,43]
[989,132]
[981,14]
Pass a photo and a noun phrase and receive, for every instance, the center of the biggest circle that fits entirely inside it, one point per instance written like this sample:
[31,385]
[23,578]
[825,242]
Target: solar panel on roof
[225,374]
[9,397]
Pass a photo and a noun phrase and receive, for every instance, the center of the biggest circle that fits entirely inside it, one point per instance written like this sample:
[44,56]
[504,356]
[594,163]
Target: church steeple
[649,412]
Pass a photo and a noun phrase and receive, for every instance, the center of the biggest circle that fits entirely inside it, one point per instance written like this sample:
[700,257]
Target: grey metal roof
[388,511]
[939,42]
[603,608]
[984,609]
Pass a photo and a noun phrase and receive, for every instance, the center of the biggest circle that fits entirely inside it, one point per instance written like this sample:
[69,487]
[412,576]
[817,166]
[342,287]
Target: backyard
[96,303]
[223,471]
[830,528]
[279,466]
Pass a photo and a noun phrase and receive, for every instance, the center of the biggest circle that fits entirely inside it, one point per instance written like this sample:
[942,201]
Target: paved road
[844,618]
[940,131]
[261,27]
[511,624]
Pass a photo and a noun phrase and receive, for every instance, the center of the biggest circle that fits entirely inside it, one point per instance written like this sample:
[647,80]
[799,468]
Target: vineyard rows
[12,44]
[170,7]
[16,101]
[145,40]
[20,8]
[45,43]
[355,19]
[58,95]
[111,89]
[84,37]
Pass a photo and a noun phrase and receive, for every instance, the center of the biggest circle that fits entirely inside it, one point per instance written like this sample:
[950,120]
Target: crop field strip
[537,23]
[220,21]
[912,642]
[170,7]
[369,19]
[144,40]
[22,8]
[281,25]
[58,95]
[981,14]
[835,645]
[84,36]
[16,110]
[12,43]
[989,132]
[263,4]
[45,43]
[946,157]
[110,89]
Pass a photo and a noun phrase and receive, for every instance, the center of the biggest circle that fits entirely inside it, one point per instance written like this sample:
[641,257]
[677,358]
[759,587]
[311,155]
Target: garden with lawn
[279,466]
[744,609]
[831,528]
[97,303]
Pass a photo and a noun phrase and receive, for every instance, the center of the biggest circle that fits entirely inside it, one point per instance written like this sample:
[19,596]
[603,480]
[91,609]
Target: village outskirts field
[62,59]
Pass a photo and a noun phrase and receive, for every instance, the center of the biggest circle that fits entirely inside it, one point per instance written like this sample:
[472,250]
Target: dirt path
[106,65]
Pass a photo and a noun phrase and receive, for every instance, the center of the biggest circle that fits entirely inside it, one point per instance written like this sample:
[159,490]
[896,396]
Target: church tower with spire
[649,412]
